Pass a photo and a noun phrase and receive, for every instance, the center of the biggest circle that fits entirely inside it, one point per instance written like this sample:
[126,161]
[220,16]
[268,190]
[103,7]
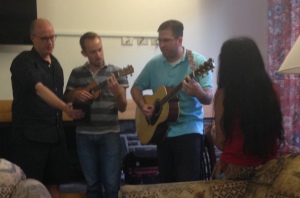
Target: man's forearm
[137,96]
[205,97]
[49,97]
[121,102]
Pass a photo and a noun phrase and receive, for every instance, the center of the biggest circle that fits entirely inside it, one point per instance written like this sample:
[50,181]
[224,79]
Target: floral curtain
[284,29]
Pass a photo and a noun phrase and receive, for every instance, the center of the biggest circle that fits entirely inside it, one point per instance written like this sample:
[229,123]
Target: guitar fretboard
[205,67]
[103,84]
[174,91]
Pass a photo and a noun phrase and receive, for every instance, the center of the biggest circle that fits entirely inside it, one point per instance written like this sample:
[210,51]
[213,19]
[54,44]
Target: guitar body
[154,130]
[89,88]
[85,106]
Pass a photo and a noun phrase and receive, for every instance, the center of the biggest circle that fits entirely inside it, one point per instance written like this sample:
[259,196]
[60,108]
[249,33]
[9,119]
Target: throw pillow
[30,188]
[10,176]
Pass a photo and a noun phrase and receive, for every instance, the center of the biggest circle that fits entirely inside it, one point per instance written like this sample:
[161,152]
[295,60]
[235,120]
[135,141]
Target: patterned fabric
[198,189]
[10,176]
[30,188]
[235,189]
[284,20]
[277,178]
[224,170]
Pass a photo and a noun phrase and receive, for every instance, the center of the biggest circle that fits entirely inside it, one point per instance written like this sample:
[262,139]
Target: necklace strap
[191,59]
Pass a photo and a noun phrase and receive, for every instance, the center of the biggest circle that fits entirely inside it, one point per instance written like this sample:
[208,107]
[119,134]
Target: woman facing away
[248,119]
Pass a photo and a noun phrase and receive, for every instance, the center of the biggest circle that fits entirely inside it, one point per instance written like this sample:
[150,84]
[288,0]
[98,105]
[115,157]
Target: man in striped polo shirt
[97,136]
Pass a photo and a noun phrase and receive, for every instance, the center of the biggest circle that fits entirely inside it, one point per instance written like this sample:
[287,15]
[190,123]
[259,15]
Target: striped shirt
[103,112]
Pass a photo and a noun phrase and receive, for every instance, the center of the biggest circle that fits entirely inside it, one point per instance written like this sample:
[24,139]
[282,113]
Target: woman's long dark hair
[250,95]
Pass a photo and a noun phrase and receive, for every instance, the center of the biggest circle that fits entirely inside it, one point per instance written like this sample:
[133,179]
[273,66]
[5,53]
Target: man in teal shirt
[180,153]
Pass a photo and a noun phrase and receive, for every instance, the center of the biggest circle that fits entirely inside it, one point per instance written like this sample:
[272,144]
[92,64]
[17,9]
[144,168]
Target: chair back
[209,156]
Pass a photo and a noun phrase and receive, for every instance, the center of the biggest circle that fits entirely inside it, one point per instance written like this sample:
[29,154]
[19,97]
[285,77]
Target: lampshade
[291,63]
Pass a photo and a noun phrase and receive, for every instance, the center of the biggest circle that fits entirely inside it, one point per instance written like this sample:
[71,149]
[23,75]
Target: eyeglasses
[166,40]
[46,39]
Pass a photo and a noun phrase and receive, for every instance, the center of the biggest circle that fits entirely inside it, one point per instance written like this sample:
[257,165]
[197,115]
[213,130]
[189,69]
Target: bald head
[38,24]
[43,37]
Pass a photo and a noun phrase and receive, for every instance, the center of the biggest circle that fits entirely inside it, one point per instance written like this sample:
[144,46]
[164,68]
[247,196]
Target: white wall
[207,23]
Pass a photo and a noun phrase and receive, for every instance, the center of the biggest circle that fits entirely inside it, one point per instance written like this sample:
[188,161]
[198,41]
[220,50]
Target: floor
[73,195]
[73,190]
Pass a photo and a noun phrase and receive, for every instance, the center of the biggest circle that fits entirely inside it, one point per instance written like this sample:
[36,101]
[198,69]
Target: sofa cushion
[10,176]
[278,178]
[231,189]
[172,190]
[30,188]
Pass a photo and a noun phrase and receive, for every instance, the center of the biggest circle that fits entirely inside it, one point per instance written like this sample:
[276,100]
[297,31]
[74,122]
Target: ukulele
[94,89]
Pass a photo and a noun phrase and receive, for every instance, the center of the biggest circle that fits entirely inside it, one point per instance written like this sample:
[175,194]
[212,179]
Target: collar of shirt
[182,59]
[92,73]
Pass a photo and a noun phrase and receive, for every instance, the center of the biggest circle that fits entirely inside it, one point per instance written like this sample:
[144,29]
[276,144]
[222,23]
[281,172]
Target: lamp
[291,63]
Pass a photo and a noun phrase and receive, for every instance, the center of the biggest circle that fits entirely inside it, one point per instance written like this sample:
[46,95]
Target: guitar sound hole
[156,113]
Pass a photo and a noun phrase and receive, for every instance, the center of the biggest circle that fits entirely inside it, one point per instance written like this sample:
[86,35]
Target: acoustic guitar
[166,109]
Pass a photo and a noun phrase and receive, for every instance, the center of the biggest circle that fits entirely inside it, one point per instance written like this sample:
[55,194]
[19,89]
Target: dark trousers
[46,162]
[179,158]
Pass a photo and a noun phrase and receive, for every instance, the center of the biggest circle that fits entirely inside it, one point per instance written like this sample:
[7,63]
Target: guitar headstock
[125,71]
[205,67]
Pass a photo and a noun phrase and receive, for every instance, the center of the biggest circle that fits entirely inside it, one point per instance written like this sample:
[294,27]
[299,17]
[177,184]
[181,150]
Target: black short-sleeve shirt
[30,114]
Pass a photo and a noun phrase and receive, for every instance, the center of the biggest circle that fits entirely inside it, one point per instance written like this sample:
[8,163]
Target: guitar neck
[123,72]
[99,86]
[174,91]
[103,83]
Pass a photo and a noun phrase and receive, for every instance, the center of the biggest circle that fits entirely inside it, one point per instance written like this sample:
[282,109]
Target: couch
[279,178]
[13,183]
